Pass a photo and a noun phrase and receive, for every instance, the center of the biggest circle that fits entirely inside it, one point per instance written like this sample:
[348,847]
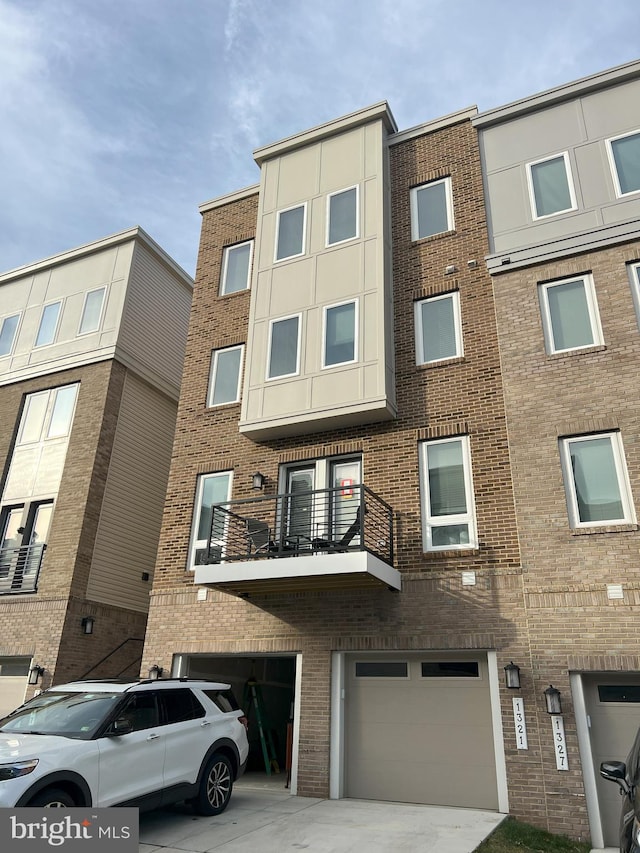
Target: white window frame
[268,360]
[225,263]
[569,173]
[634,279]
[58,302]
[612,162]
[624,485]
[457,322]
[356,236]
[17,314]
[197,544]
[413,197]
[592,308]
[303,205]
[100,315]
[213,371]
[469,517]
[356,316]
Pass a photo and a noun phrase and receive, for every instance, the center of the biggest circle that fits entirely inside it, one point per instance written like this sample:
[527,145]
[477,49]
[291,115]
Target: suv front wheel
[215,787]
[52,798]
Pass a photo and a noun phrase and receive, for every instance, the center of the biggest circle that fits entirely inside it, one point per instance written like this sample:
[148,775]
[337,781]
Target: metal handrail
[20,568]
[292,524]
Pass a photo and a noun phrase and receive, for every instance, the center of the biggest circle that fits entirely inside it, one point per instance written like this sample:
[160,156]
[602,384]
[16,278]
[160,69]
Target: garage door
[418,730]
[13,682]
[613,706]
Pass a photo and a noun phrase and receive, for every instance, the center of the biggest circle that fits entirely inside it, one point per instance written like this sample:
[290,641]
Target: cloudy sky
[133,112]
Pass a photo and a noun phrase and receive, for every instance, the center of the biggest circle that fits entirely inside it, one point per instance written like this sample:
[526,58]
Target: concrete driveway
[270,820]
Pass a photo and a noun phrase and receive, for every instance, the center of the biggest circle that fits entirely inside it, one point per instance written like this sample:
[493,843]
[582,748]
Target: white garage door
[418,730]
[613,705]
[14,672]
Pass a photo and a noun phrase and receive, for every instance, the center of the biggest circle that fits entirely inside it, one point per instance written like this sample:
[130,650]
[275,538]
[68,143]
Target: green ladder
[253,699]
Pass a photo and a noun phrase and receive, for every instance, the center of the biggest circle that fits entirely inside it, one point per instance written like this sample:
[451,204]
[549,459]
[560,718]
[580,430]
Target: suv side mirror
[615,771]
[121,726]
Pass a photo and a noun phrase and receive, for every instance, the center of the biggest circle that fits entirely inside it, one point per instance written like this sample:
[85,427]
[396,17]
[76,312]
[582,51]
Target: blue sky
[133,112]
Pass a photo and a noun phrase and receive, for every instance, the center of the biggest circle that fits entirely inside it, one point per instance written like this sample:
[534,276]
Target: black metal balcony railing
[20,567]
[329,521]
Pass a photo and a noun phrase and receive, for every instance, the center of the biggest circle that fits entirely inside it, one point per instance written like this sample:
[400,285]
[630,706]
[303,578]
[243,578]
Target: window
[624,157]
[236,266]
[8,329]
[431,209]
[48,324]
[382,669]
[211,489]
[450,669]
[634,276]
[570,314]
[92,311]
[342,216]
[438,328]
[340,323]
[54,408]
[550,186]
[290,232]
[284,347]
[596,480]
[447,495]
[180,705]
[224,378]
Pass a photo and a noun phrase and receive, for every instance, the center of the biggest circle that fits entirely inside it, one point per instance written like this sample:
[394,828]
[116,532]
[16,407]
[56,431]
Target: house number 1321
[559,742]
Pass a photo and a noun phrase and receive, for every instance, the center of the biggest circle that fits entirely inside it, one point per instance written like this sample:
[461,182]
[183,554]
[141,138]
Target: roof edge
[433,125]
[221,200]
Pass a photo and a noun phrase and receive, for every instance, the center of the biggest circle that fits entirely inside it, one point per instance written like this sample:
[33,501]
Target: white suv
[124,743]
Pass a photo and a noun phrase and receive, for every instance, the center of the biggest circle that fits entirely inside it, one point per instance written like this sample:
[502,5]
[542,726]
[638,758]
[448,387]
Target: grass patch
[512,835]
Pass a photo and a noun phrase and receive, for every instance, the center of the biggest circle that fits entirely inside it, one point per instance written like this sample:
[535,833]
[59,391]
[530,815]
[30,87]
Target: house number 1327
[559,742]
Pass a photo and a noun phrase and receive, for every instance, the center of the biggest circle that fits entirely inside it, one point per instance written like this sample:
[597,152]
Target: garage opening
[14,672]
[265,689]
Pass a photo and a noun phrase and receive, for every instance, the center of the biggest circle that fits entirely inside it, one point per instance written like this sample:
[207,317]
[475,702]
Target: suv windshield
[73,715]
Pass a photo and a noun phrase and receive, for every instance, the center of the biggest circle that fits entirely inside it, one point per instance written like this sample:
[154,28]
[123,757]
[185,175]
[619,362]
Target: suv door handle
[153,737]
[205,723]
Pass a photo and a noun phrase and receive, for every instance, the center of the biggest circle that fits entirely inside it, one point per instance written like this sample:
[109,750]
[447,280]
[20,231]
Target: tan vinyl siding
[129,527]
[155,321]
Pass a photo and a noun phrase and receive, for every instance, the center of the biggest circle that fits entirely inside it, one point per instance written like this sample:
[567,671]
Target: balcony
[339,538]
[19,568]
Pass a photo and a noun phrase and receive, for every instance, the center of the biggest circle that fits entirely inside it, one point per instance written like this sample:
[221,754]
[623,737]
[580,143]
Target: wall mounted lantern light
[87,624]
[552,698]
[35,674]
[258,481]
[512,676]
[155,672]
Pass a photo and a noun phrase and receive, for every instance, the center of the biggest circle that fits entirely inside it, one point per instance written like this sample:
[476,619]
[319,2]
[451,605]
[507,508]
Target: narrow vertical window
[284,347]
[236,267]
[8,329]
[224,379]
[447,495]
[596,480]
[431,209]
[342,216]
[290,232]
[438,328]
[340,323]
[551,186]
[570,314]
[92,311]
[212,489]
[48,324]
[624,157]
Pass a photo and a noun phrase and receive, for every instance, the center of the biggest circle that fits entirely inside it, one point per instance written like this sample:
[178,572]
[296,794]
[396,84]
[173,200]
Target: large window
[431,209]
[236,266]
[224,378]
[551,186]
[48,324]
[596,480]
[438,329]
[284,347]
[8,329]
[624,156]
[340,323]
[92,311]
[448,512]
[290,232]
[570,314]
[212,489]
[342,216]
